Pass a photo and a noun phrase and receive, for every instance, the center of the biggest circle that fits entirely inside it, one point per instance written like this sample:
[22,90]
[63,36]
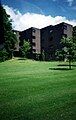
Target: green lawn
[32,90]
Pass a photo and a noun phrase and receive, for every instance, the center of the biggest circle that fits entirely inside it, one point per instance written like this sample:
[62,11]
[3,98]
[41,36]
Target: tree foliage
[68,50]
[3,55]
[43,55]
[7,37]
[25,48]
[74,34]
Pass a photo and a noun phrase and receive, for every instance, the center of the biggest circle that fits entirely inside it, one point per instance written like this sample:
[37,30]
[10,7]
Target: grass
[33,90]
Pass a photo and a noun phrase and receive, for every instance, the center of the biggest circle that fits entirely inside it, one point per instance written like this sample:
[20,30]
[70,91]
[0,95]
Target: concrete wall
[18,40]
[36,40]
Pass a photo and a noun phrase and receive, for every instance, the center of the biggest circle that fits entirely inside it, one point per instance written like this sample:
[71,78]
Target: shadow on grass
[22,59]
[60,69]
[67,65]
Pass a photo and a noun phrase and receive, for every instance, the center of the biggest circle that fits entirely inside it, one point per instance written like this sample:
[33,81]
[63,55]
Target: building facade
[16,50]
[33,36]
[51,37]
[46,40]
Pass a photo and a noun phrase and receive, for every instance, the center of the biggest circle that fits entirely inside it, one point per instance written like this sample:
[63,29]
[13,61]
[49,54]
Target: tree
[3,55]
[7,37]
[68,49]
[24,50]
[43,55]
[74,34]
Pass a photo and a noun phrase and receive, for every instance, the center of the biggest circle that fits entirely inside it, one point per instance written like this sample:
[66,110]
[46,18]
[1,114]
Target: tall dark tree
[1,25]
[7,37]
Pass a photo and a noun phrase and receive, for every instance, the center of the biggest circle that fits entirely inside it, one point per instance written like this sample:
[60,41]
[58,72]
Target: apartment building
[16,50]
[33,36]
[45,40]
[51,37]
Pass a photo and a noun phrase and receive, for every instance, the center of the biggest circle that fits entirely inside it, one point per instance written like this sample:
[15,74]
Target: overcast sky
[40,13]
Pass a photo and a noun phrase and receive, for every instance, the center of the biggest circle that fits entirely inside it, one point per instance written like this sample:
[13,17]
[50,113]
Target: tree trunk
[70,64]
[12,55]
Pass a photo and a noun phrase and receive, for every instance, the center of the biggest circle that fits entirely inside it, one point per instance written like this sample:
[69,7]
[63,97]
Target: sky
[40,13]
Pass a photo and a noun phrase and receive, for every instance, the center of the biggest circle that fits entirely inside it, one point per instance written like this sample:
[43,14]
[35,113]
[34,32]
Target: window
[51,38]
[51,31]
[33,43]
[65,27]
[65,35]
[34,30]
[51,46]
[33,37]
[33,50]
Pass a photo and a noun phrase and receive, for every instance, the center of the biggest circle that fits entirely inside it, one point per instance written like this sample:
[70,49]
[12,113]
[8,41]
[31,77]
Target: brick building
[16,50]
[33,36]
[45,40]
[51,37]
